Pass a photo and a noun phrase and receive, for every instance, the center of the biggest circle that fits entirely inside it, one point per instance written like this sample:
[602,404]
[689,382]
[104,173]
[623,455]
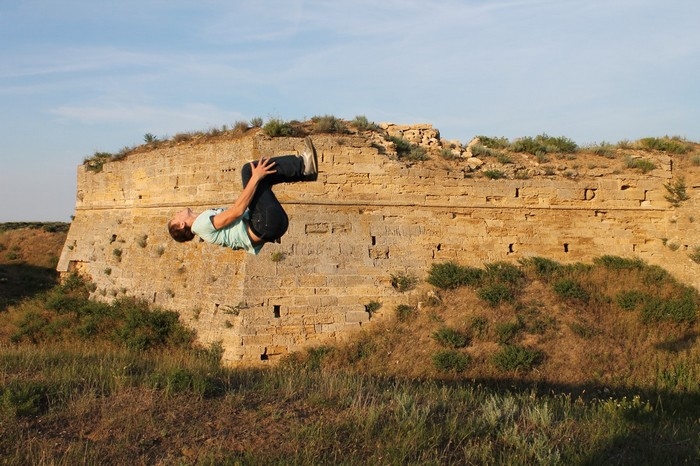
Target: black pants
[268,220]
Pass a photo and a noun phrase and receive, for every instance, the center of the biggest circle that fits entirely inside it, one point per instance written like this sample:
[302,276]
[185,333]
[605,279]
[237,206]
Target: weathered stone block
[356,316]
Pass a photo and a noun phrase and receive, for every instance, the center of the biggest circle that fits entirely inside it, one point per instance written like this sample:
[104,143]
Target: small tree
[676,192]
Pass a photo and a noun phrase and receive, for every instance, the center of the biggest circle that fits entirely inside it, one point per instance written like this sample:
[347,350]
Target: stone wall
[368,217]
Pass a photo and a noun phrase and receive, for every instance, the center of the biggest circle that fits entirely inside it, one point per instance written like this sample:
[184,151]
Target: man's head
[179,226]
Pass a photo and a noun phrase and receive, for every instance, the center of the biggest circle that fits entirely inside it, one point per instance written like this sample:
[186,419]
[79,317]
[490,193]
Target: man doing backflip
[256,217]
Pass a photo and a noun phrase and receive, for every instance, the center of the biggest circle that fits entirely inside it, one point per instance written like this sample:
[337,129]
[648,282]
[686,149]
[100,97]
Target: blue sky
[80,76]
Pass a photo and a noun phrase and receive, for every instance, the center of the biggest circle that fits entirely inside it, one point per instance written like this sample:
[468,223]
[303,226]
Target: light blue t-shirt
[234,236]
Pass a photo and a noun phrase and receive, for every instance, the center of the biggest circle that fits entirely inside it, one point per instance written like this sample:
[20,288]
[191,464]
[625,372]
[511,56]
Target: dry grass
[612,347]
[611,388]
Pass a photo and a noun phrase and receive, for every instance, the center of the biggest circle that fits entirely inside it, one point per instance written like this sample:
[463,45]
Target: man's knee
[246,173]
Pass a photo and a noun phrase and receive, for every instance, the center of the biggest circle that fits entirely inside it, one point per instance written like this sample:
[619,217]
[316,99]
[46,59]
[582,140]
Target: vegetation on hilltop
[530,363]
[524,157]
[51,227]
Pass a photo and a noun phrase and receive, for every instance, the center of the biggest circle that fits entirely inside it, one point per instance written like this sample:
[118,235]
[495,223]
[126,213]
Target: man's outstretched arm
[264,167]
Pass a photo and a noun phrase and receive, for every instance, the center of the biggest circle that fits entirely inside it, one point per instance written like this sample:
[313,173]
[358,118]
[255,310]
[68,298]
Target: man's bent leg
[269,220]
[289,169]
[267,217]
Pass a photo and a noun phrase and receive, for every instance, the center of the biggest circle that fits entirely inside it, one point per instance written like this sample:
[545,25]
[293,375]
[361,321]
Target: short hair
[181,235]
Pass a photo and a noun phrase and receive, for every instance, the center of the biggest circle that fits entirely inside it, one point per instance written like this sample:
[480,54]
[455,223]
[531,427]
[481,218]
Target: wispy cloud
[183,117]
[585,69]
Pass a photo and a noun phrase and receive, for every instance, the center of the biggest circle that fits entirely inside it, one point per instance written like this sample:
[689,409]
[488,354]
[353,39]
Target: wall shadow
[666,434]
[20,281]
[669,433]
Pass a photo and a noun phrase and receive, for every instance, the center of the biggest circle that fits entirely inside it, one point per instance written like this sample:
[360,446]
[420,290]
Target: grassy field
[530,363]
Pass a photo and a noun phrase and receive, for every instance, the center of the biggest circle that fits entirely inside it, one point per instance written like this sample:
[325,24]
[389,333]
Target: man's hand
[260,170]
[264,167]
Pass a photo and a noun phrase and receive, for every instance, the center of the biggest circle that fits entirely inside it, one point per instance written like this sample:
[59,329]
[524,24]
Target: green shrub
[278,128]
[543,144]
[316,356]
[644,165]
[363,348]
[363,124]
[619,263]
[214,131]
[625,144]
[558,144]
[407,151]
[404,312]
[603,149]
[571,290]
[142,328]
[97,161]
[183,137]
[240,126]
[505,159]
[495,294]
[543,267]
[372,307]
[540,326]
[494,174]
[123,152]
[446,154]
[450,275]
[451,361]
[515,358]
[630,300]
[494,142]
[477,150]
[450,338]
[30,327]
[654,275]
[479,326]
[674,145]
[51,227]
[505,272]
[25,397]
[678,310]
[172,380]
[676,192]
[403,281]
[583,330]
[402,145]
[328,124]
[256,122]
[416,154]
[507,331]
